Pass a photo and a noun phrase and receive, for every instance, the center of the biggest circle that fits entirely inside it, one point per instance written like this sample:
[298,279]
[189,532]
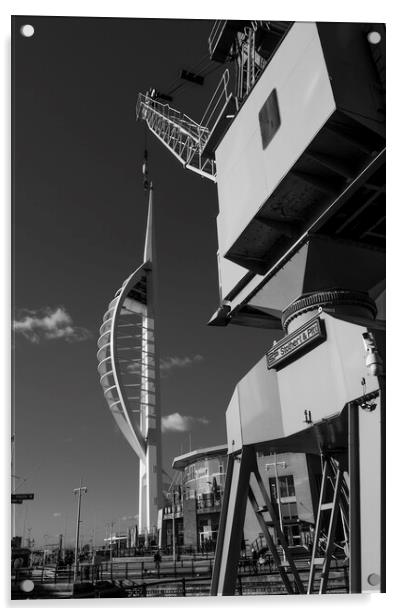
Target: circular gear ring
[329,298]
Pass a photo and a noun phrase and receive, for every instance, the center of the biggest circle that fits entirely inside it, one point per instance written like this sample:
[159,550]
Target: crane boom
[191,142]
[251,44]
[179,133]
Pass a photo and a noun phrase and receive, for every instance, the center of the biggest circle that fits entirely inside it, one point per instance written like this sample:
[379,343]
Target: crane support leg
[232,521]
[237,490]
[282,540]
[367,498]
[270,543]
[333,506]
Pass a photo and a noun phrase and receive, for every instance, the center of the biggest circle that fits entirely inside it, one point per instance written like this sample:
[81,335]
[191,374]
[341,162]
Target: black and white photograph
[198,361]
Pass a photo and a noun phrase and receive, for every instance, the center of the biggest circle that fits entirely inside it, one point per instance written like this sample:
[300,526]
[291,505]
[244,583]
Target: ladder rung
[318,561]
[262,509]
[326,506]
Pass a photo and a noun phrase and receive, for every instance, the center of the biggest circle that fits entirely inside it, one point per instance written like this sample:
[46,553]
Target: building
[116,543]
[296,477]
[196,499]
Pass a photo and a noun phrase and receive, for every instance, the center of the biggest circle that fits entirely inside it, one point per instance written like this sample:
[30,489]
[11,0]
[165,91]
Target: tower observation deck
[129,375]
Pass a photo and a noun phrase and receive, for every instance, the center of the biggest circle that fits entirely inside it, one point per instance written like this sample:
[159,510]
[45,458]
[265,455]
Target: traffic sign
[18,498]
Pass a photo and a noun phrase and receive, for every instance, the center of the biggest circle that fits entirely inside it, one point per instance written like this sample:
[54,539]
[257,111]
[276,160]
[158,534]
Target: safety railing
[180,588]
[216,32]
[217,104]
[185,577]
[115,570]
[153,111]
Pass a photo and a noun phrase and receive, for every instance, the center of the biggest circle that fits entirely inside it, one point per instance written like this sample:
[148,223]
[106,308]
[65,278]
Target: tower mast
[150,491]
[129,371]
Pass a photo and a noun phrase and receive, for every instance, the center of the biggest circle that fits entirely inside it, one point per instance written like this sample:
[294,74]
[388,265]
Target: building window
[190,472]
[286,486]
[289,511]
[269,119]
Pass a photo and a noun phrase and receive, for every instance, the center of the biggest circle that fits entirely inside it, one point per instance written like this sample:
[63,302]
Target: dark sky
[79,221]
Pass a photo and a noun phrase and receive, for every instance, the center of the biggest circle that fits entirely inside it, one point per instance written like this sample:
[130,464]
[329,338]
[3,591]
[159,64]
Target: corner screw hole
[374,37]
[27,30]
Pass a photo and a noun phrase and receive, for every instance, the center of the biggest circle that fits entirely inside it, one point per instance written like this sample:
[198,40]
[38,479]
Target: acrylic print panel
[154,455]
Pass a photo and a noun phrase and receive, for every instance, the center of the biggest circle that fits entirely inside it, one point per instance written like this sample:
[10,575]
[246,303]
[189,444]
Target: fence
[176,579]
[110,571]
[180,588]
[270,583]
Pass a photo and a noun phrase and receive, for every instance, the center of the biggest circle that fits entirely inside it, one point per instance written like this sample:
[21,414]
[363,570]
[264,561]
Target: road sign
[18,498]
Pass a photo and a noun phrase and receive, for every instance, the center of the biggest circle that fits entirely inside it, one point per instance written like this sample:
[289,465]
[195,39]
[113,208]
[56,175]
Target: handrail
[215,33]
[220,92]
[181,121]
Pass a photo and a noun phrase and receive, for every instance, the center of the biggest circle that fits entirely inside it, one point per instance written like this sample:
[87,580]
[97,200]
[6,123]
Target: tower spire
[145,170]
[149,235]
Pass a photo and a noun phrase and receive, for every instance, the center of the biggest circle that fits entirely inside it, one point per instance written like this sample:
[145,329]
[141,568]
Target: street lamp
[173,500]
[174,524]
[81,490]
[110,526]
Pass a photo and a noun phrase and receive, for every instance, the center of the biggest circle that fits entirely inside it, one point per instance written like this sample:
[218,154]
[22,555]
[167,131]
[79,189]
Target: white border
[302,10]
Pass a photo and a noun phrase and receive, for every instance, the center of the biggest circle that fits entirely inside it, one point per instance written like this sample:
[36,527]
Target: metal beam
[279,533]
[270,542]
[232,522]
[354,503]
[314,227]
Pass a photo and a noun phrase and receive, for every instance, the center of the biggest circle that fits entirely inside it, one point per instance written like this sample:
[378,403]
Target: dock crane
[300,154]
[193,143]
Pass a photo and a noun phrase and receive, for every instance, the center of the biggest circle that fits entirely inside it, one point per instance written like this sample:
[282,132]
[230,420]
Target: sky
[79,216]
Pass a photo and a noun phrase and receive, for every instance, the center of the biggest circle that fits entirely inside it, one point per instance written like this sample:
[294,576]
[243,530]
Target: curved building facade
[129,375]
[196,500]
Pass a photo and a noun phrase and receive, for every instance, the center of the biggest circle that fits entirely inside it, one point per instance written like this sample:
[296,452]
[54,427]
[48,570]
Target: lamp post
[81,490]
[111,527]
[174,524]
[45,542]
[118,538]
[275,464]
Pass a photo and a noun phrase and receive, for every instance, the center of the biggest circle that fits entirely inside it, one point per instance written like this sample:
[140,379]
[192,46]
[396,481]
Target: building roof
[180,462]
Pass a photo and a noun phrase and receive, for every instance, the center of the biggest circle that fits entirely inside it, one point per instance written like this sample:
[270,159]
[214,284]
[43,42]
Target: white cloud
[49,324]
[125,518]
[181,423]
[168,363]
[134,368]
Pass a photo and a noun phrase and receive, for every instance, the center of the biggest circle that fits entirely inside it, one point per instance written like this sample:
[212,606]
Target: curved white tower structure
[129,375]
